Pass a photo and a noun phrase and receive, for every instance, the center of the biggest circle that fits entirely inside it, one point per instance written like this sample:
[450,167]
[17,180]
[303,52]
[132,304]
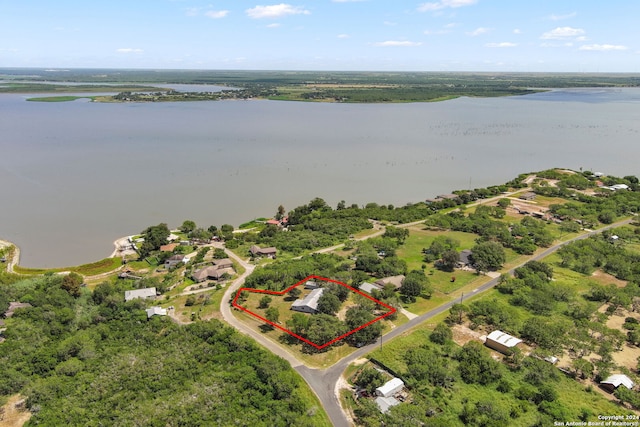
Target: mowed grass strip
[99,267]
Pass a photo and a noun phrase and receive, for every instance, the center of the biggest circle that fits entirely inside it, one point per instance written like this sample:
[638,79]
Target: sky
[350,35]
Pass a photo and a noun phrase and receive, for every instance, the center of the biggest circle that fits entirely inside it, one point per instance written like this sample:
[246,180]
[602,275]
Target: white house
[501,341]
[308,304]
[175,260]
[390,388]
[143,293]
[155,311]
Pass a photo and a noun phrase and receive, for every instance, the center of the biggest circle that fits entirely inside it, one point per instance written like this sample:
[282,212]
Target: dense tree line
[92,358]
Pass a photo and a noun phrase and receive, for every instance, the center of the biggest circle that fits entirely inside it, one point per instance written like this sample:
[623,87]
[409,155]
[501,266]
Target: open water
[77,175]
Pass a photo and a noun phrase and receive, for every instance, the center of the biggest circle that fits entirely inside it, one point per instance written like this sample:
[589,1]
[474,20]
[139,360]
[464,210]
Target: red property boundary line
[317,346]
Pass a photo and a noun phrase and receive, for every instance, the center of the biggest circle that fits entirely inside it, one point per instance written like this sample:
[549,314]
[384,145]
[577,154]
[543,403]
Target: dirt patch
[606,279]
[462,335]
[14,413]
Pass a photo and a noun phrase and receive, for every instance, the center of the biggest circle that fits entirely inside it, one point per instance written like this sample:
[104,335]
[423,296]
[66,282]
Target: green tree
[414,285]
[356,317]
[280,213]
[72,283]
[265,301]
[154,237]
[369,379]
[488,256]
[328,303]
[441,334]
[295,293]
[298,323]
[272,315]
[449,260]
[476,365]
[439,245]
[188,226]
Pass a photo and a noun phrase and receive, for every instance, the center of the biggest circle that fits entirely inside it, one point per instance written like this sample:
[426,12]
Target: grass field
[99,267]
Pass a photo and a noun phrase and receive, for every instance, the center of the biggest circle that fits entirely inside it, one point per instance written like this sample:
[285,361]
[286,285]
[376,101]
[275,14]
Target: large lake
[75,176]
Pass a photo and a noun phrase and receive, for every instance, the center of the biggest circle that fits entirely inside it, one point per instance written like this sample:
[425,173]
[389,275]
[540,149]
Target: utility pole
[461,296]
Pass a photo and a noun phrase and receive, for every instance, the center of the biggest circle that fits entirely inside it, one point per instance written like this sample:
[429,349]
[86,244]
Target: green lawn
[103,266]
[411,250]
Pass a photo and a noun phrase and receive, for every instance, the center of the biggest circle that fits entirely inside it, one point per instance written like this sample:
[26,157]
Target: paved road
[323,381]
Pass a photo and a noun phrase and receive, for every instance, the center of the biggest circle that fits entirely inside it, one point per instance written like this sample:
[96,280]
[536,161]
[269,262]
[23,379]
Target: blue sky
[386,35]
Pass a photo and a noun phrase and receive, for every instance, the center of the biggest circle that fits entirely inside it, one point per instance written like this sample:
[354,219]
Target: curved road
[324,381]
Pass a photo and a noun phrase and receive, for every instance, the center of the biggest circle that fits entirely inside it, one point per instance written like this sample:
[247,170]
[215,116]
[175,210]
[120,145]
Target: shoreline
[118,251]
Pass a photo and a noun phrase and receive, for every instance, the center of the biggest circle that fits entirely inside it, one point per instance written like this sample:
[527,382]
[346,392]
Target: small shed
[390,388]
[501,341]
[615,381]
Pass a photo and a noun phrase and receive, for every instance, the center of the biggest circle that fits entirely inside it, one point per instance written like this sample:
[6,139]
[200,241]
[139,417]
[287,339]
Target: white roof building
[390,388]
[308,304]
[616,380]
[143,293]
[501,341]
[155,311]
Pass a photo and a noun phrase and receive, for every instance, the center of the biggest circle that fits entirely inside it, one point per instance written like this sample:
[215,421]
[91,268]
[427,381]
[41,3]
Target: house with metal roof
[385,403]
[390,388]
[614,381]
[308,304]
[501,341]
[155,311]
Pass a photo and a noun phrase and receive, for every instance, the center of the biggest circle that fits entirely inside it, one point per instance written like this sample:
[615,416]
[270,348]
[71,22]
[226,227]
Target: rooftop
[504,339]
[310,300]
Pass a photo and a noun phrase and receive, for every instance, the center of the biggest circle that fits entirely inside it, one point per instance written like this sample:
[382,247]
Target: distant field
[314,86]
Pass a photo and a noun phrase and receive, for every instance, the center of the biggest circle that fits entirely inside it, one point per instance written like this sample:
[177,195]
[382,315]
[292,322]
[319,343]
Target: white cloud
[602,47]
[347,1]
[192,11]
[397,43]
[502,44]
[555,17]
[560,33]
[343,36]
[129,50]
[275,11]
[274,25]
[443,4]
[216,14]
[517,31]
[479,31]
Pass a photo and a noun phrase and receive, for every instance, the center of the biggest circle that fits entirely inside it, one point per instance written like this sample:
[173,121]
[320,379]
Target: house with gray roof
[143,293]
[308,304]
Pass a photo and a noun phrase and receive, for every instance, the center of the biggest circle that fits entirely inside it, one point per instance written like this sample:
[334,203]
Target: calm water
[75,176]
